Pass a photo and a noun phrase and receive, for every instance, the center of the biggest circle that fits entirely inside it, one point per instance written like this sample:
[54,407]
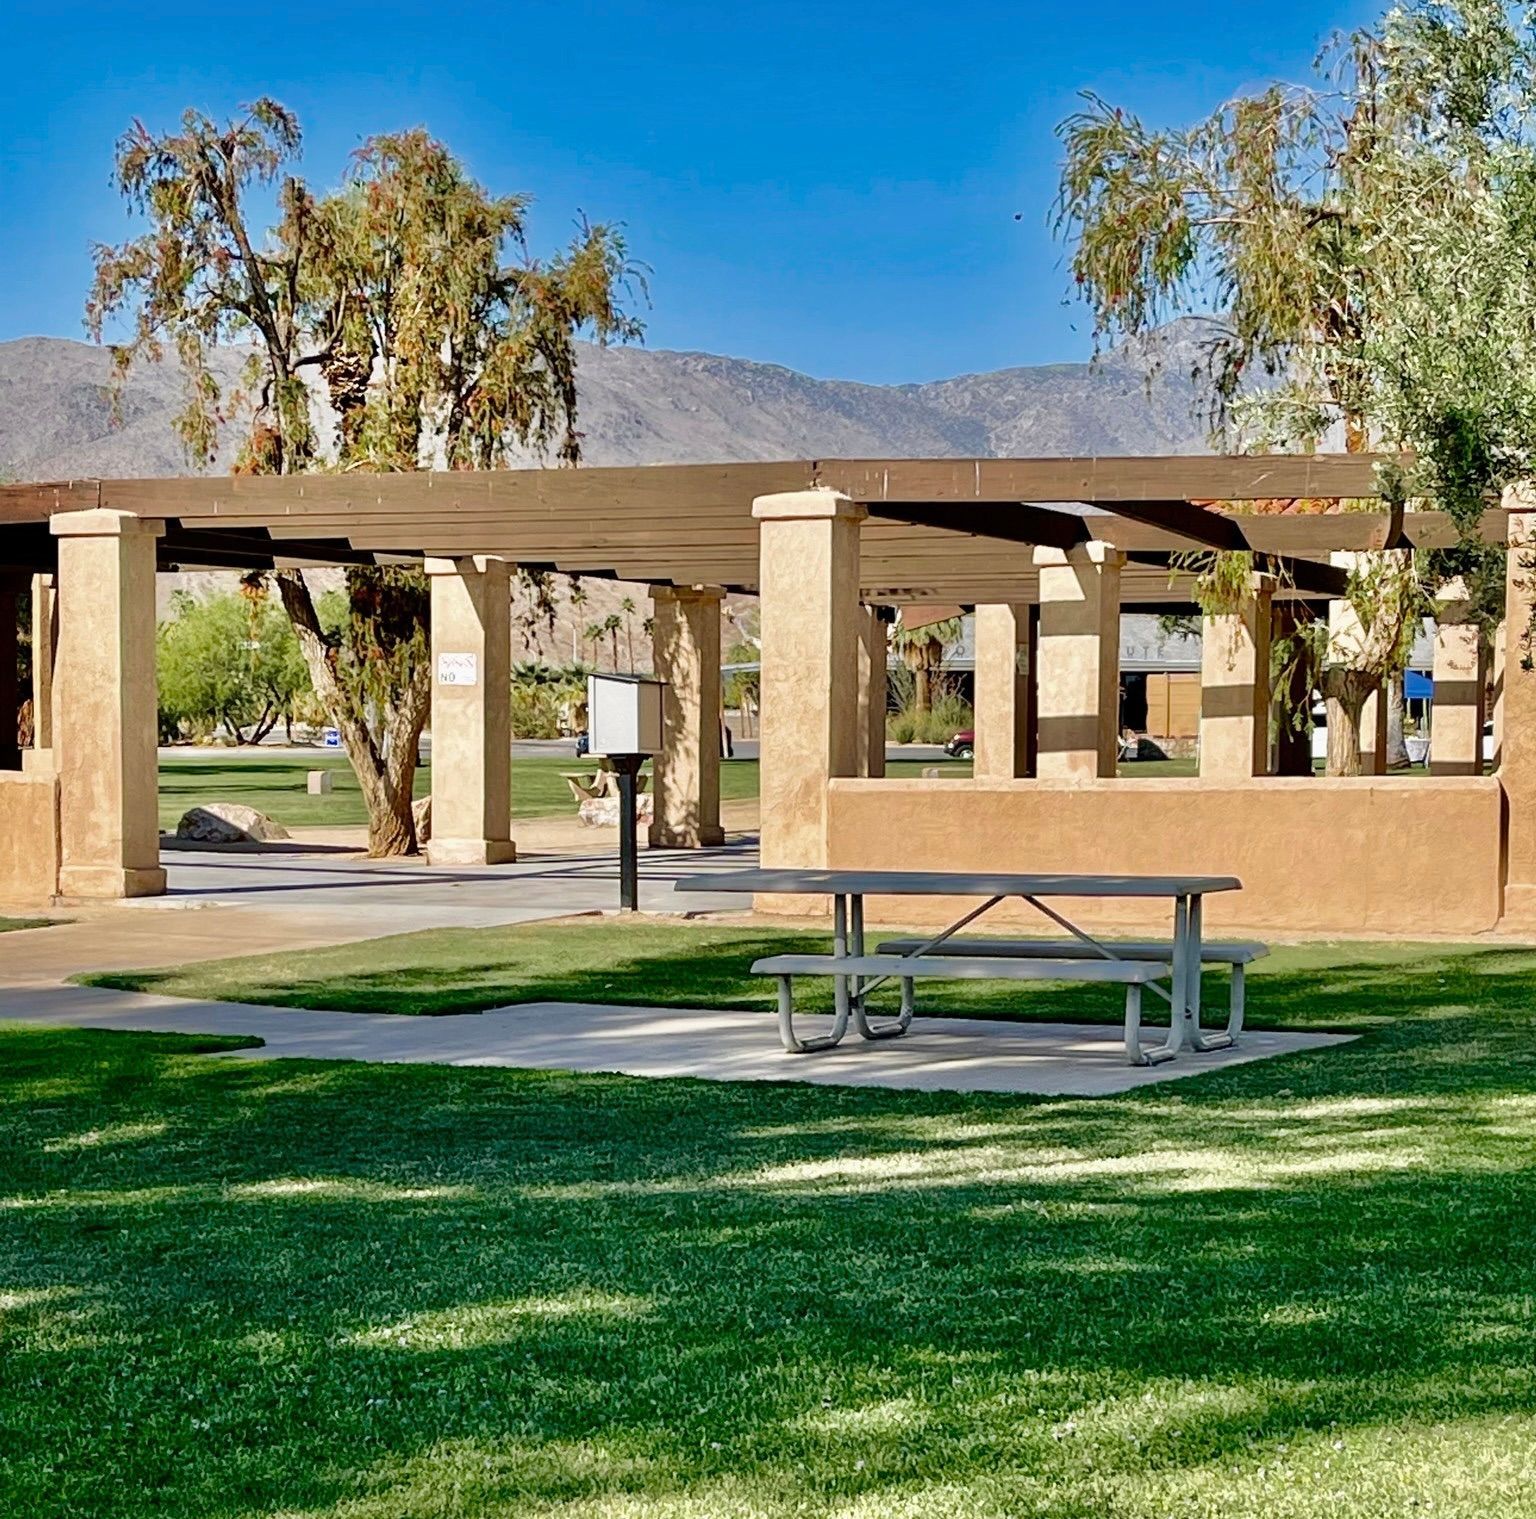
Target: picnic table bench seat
[1132,974]
[1238,953]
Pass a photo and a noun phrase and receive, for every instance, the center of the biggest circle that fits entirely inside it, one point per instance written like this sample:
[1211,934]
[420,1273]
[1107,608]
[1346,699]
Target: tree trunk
[1397,750]
[384,774]
[1346,692]
[922,692]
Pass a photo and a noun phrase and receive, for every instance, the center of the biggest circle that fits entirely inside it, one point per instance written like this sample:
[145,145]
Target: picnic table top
[946,883]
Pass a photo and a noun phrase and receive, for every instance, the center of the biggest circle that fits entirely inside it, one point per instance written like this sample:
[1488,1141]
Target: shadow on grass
[658,965]
[233,1289]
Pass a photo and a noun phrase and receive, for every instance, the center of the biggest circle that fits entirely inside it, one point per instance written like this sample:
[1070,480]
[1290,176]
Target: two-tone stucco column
[808,584]
[1234,686]
[685,776]
[874,690]
[104,705]
[1456,718]
[45,632]
[1517,760]
[1078,677]
[471,712]
[1005,691]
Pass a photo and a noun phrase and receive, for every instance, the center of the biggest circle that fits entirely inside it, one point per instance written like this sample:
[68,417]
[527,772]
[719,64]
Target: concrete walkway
[954,1055]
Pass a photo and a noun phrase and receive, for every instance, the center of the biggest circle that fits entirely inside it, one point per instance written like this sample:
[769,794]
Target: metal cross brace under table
[848,888]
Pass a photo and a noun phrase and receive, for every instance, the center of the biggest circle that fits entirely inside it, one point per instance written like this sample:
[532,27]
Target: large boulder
[421,811]
[229,823]
[603,811]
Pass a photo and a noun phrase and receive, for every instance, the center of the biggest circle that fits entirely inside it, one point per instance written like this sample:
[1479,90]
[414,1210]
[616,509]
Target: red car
[962,745]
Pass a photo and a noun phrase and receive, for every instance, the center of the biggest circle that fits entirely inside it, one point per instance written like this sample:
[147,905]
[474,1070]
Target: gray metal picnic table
[848,889]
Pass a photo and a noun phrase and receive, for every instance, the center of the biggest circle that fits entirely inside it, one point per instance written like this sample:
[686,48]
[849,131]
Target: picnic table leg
[791,1041]
[842,986]
[1177,1022]
[1198,1040]
[896,1026]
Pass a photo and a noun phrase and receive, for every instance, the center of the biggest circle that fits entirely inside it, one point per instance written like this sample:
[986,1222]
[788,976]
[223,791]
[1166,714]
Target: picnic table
[598,779]
[849,963]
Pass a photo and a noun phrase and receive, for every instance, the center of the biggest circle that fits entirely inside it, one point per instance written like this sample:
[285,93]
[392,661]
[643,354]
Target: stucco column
[685,776]
[1517,769]
[874,694]
[1078,676]
[104,706]
[471,712]
[45,632]
[10,682]
[1456,718]
[808,582]
[1005,686]
[1234,687]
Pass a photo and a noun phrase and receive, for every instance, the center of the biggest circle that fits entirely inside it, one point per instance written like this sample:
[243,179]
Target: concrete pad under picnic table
[939,1054]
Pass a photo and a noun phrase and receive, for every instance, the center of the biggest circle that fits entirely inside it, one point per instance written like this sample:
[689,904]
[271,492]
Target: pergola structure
[1046,550]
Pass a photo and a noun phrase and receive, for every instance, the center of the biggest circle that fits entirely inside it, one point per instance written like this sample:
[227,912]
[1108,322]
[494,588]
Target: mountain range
[654,406]
[645,406]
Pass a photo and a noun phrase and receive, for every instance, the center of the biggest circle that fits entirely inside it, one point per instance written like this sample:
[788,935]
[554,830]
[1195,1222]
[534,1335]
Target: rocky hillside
[644,406]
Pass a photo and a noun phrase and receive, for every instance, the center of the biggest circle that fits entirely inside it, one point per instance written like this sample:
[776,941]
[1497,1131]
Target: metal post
[627,767]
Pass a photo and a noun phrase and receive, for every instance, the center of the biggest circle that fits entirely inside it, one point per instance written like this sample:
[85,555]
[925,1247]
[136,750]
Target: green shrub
[536,711]
[948,715]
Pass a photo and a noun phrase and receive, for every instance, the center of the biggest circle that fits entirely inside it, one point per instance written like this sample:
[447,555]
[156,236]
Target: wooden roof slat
[1181,477]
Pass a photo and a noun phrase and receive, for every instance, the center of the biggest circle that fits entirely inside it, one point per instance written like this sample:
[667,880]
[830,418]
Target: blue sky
[829,186]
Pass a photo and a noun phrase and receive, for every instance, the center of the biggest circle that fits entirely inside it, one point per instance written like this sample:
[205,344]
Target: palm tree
[922,652]
[627,607]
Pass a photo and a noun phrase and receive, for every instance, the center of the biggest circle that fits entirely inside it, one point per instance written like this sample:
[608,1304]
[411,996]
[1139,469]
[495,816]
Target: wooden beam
[1009,522]
[1199,477]
[1202,527]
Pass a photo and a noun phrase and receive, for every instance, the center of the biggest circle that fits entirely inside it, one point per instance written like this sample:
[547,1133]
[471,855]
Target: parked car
[962,745]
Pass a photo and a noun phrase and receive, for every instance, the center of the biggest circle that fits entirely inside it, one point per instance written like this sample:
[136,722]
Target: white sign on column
[458,670]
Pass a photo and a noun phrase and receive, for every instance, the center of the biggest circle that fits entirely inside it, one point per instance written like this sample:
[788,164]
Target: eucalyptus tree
[1363,243]
[406,310]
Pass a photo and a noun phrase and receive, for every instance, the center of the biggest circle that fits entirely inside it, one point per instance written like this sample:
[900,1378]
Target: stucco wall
[29,837]
[1369,856]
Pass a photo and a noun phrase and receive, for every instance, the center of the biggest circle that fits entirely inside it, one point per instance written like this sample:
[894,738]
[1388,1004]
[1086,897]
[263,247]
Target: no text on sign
[458,670]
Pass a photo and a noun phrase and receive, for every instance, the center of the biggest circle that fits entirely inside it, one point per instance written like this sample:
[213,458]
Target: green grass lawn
[1297,1288]
[12,925]
[671,964]
[277,786]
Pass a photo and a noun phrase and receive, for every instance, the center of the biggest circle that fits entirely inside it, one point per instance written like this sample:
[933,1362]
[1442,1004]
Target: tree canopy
[1363,247]
[397,322]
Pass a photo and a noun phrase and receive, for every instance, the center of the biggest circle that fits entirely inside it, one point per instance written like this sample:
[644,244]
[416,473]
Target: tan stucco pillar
[10,682]
[808,582]
[1078,675]
[874,692]
[1005,686]
[1517,769]
[104,706]
[44,654]
[1456,717]
[1234,687]
[471,712]
[685,776]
